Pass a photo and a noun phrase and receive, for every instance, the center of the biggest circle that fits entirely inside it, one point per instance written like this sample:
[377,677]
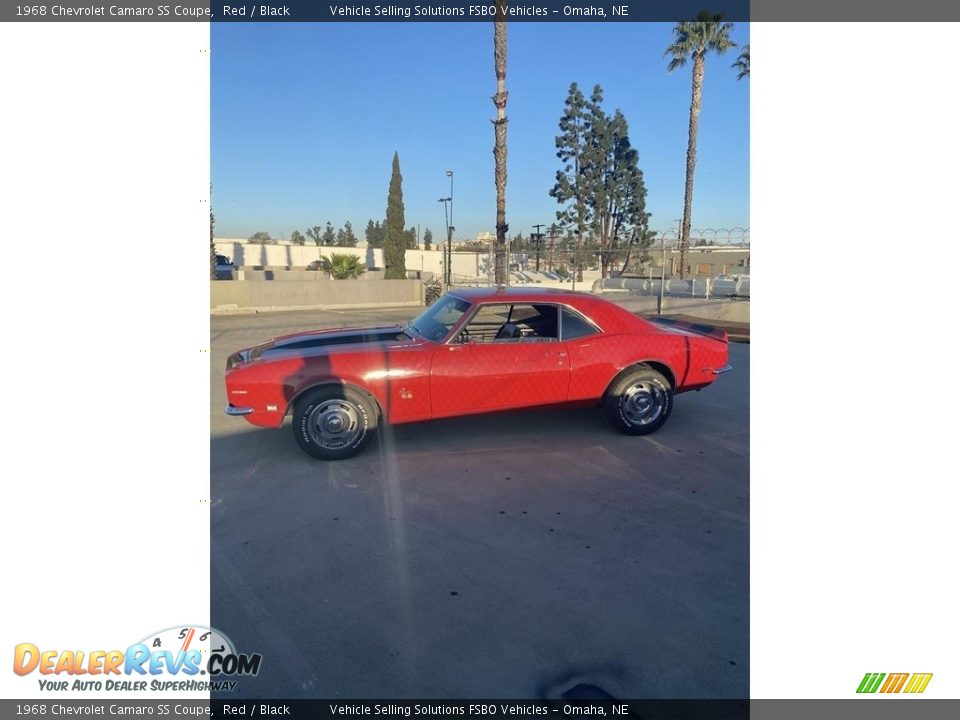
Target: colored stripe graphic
[870,682]
[918,683]
[894,682]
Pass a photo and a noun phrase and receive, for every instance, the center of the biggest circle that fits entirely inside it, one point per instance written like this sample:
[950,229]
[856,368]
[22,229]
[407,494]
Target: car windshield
[435,322]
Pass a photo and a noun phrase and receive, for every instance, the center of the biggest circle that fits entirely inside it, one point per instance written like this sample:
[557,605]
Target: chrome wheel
[335,423]
[643,402]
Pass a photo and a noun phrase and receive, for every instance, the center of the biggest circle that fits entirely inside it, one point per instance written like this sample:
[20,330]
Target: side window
[485,324]
[573,326]
[512,323]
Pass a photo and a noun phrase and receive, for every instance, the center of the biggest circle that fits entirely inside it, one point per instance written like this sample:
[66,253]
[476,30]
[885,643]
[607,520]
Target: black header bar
[599,11]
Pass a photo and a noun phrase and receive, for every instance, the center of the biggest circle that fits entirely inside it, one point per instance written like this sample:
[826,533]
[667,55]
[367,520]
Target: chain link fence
[717,265]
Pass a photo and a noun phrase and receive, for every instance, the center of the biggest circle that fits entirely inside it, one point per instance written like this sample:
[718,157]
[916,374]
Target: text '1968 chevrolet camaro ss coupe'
[473,351]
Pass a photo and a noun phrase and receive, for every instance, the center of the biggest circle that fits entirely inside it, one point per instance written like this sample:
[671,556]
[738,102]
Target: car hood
[320,341]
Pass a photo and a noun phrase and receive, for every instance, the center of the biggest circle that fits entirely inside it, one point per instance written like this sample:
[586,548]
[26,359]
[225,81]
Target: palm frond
[708,33]
[742,64]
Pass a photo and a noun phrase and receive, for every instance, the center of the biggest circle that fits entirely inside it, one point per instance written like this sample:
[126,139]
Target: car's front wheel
[333,422]
[639,401]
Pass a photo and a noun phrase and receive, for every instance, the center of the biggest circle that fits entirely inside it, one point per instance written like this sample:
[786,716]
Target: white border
[854,155]
[105,517]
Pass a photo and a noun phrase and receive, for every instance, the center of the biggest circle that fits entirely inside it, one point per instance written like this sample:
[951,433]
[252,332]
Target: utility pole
[537,242]
[679,239]
[552,250]
[663,266]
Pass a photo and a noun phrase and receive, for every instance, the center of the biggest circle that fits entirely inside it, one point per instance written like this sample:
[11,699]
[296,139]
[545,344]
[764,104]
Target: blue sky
[306,117]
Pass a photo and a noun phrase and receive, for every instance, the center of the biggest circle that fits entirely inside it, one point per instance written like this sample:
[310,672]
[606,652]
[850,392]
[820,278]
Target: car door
[485,369]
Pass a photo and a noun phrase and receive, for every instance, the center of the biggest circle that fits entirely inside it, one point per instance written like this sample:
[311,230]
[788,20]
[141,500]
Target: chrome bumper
[234,410]
[721,371]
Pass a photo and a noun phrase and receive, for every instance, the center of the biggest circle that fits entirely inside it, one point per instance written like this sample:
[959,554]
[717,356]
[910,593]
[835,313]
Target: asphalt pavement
[502,556]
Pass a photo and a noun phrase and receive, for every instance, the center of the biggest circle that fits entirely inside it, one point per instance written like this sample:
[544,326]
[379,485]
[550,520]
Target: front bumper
[721,371]
[237,411]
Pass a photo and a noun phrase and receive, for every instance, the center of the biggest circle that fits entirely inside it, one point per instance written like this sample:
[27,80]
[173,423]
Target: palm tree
[500,139]
[694,40]
[213,246]
[743,63]
[342,267]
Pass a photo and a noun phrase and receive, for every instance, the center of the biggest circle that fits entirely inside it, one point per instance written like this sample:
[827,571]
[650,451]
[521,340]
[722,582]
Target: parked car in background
[225,268]
[475,350]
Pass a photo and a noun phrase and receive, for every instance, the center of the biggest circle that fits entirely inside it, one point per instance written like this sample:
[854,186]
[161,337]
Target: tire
[638,401]
[334,422]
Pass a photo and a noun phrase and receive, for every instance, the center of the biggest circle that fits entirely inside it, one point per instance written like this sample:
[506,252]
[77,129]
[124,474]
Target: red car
[473,351]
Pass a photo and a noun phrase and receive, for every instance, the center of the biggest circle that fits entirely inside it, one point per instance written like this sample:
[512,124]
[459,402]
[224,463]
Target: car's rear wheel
[333,422]
[639,401]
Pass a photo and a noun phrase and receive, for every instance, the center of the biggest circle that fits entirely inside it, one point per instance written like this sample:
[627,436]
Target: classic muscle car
[473,351]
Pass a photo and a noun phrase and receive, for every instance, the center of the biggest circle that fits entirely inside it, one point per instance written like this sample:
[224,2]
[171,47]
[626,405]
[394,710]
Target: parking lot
[502,556]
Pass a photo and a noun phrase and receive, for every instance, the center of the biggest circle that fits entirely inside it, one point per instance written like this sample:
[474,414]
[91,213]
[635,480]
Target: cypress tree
[394,241]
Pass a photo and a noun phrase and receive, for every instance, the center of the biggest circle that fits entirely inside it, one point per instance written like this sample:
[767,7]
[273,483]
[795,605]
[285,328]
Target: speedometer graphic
[193,650]
[212,645]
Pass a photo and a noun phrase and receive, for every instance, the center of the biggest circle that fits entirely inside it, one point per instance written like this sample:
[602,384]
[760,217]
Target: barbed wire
[715,236]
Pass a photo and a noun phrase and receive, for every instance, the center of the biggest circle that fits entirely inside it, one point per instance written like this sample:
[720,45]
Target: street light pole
[446,259]
[450,234]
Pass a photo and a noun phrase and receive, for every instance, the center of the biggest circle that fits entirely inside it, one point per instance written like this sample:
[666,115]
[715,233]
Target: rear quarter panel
[596,360]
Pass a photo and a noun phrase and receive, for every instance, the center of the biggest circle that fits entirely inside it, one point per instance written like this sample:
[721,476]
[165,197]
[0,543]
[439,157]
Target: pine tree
[393,244]
[600,186]
[613,183]
[410,238]
[345,236]
[374,233]
[570,144]
[427,239]
[329,236]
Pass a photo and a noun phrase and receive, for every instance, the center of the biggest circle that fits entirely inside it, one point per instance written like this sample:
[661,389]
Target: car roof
[606,314]
[518,294]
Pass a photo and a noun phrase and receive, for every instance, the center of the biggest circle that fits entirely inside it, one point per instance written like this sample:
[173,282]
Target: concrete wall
[729,310]
[249,295]
[704,261]
[704,287]
[465,264]
[283,274]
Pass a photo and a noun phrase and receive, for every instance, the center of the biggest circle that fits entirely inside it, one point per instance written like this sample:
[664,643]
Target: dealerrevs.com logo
[894,683]
[182,659]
